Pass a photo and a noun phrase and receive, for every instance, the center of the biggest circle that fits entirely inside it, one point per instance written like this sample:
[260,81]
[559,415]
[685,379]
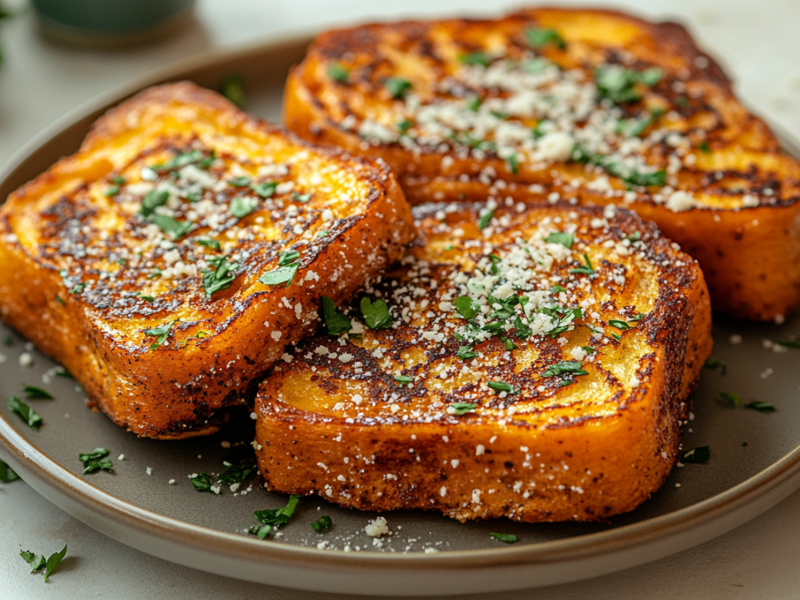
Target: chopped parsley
[96,461]
[288,264]
[636,128]
[272,517]
[339,73]
[203,482]
[403,379]
[146,298]
[160,333]
[560,237]
[557,289]
[513,163]
[567,370]
[486,219]
[704,147]
[209,243]
[621,325]
[398,87]
[335,320]
[176,229]
[376,314]
[620,85]
[789,343]
[539,37]
[241,206]
[302,198]
[466,307]
[509,344]
[220,277]
[232,88]
[634,237]
[241,181]
[152,200]
[502,386]
[36,393]
[562,319]
[587,270]
[474,103]
[716,364]
[323,524]
[634,178]
[461,408]
[265,190]
[696,455]
[8,341]
[475,58]
[237,473]
[25,412]
[508,538]
[38,562]
[7,474]
[403,126]
[466,353]
[761,406]
[729,398]
[111,191]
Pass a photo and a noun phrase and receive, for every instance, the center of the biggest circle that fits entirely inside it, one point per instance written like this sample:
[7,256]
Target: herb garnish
[475,58]
[265,190]
[8,341]
[30,416]
[466,307]
[376,314]
[513,163]
[37,561]
[323,524]
[338,72]
[203,482]
[696,455]
[152,200]
[273,517]
[288,264]
[209,243]
[241,181]
[397,87]
[761,406]
[111,191]
[657,178]
[173,227]
[36,393]
[619,84]
[508,538]
[621,325]
[221,277]
[96,461]
[237,473]
[461,408]
[241,206]
[160,333]
[789,343]
[301,198]
[466,353]
[560,237]
[587,270]
[403,379]
[232,88]
[502,386]
[704,147]
[335,320]
[7,474]
[541,37]
[716,364]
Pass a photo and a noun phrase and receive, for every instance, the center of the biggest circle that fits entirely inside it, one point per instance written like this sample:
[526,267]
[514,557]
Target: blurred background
[71,51]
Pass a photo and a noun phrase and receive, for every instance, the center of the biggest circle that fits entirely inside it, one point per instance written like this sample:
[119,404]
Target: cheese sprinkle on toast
[169,262]
[587,105]
[525,361]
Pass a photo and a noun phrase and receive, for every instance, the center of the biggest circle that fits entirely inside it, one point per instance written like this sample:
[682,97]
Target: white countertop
[40,81]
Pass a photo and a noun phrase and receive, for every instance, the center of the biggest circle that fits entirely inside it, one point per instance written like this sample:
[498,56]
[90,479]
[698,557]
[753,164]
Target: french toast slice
[591,105]
[532,362]
[169,262]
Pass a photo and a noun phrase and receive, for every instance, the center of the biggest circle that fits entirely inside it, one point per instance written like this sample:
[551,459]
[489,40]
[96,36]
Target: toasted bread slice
[155,263]
[539,369]
[593,105]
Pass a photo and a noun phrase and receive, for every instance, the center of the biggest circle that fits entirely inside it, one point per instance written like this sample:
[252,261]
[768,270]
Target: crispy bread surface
[538,369]
[587,104]
[136,261]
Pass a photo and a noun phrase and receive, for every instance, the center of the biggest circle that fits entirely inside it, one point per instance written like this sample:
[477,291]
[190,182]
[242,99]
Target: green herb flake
[619,84]
[220,277]
[789,343]
[237,473]
[461,408]
[376,314]
[729,398]
[466,307]
[696,455]
[146,298]
[587,270]
[466,353]
[172,227]
[565,367]
[38,562]
[540,37]
[241,181]
[8,341]
[403,379]
[338,72]
[513,163]
[398,87]
[560,237]
[716,364]
[241,206]
[280,275]
[486,219]
[7,474]
[621,325]
[60,300]
[265,190]
[508,538]
[335,320]
[118,180]
[53,562]
[323,524]
[557,289]
[35,393]
[509,344]
[474,103]
[25,412]
[96,461]
[704,147]
[761,406]
[111,191]
[301,198]
[152,200]
[62,372]
[501,386]
[475,58]
[208,243]
[278,516]
[232,87]
[203,482]
[160,333]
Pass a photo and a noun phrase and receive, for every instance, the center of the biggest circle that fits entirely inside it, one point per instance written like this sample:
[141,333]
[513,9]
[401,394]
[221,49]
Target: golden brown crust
[87,269]
[335,420]
[738,180]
